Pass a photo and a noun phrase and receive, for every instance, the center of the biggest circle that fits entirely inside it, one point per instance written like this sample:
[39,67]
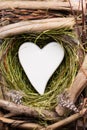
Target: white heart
[40,64]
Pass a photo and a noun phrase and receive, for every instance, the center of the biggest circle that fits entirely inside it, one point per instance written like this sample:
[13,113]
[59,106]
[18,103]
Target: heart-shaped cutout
[40,64]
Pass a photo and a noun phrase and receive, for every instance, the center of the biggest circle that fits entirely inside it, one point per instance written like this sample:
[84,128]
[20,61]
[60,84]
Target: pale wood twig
[66,120]
[35,26]
[83,21]
[31,126]
[38,5]
[80,81]
[28,111]
[20,124]
[76,88]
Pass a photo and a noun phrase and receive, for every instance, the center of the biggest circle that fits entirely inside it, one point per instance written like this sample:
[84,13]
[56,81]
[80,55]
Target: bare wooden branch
[80,81]
[21,124]
[39,5]
[76,88]
[65,121]
[35,26]
[27,111]
[31,126]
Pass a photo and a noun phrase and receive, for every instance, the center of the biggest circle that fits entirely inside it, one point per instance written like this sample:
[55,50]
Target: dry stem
[80,81]
[27,111]
[35,26]
[65,121]
[31,126]
[38,5]
[78,85]
[21,124]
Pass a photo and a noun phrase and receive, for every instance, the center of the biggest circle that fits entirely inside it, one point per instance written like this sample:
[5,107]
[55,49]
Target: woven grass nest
[44,109]
[61,79]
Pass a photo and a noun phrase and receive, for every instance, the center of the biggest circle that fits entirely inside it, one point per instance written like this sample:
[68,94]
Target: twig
[31,126]
[37,5]
[20,124]
[83,21]
[66,121]
[75,17]
[76,88]
[35,26]
[28,111]
[80,81]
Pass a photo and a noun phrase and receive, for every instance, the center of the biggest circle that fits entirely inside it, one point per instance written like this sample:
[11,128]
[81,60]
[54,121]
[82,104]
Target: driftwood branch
[35,26]
[39,5]
[20,124]
[31,126]
[66,121]
[27,111]
[80,82]
[76,88]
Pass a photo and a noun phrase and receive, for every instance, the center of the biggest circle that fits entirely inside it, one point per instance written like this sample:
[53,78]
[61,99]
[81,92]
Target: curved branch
[32,126]
[21,124]
[27,111]
[65,121]
[80,82]
[35,26]
[76,88]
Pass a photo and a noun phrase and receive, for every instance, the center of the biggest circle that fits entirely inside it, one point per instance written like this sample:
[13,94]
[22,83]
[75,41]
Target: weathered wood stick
[30,22]
[39,5]
[80,82]
[65,121]
[76,88]
[32,126]
[35,26]
[21,124]
[28,111]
